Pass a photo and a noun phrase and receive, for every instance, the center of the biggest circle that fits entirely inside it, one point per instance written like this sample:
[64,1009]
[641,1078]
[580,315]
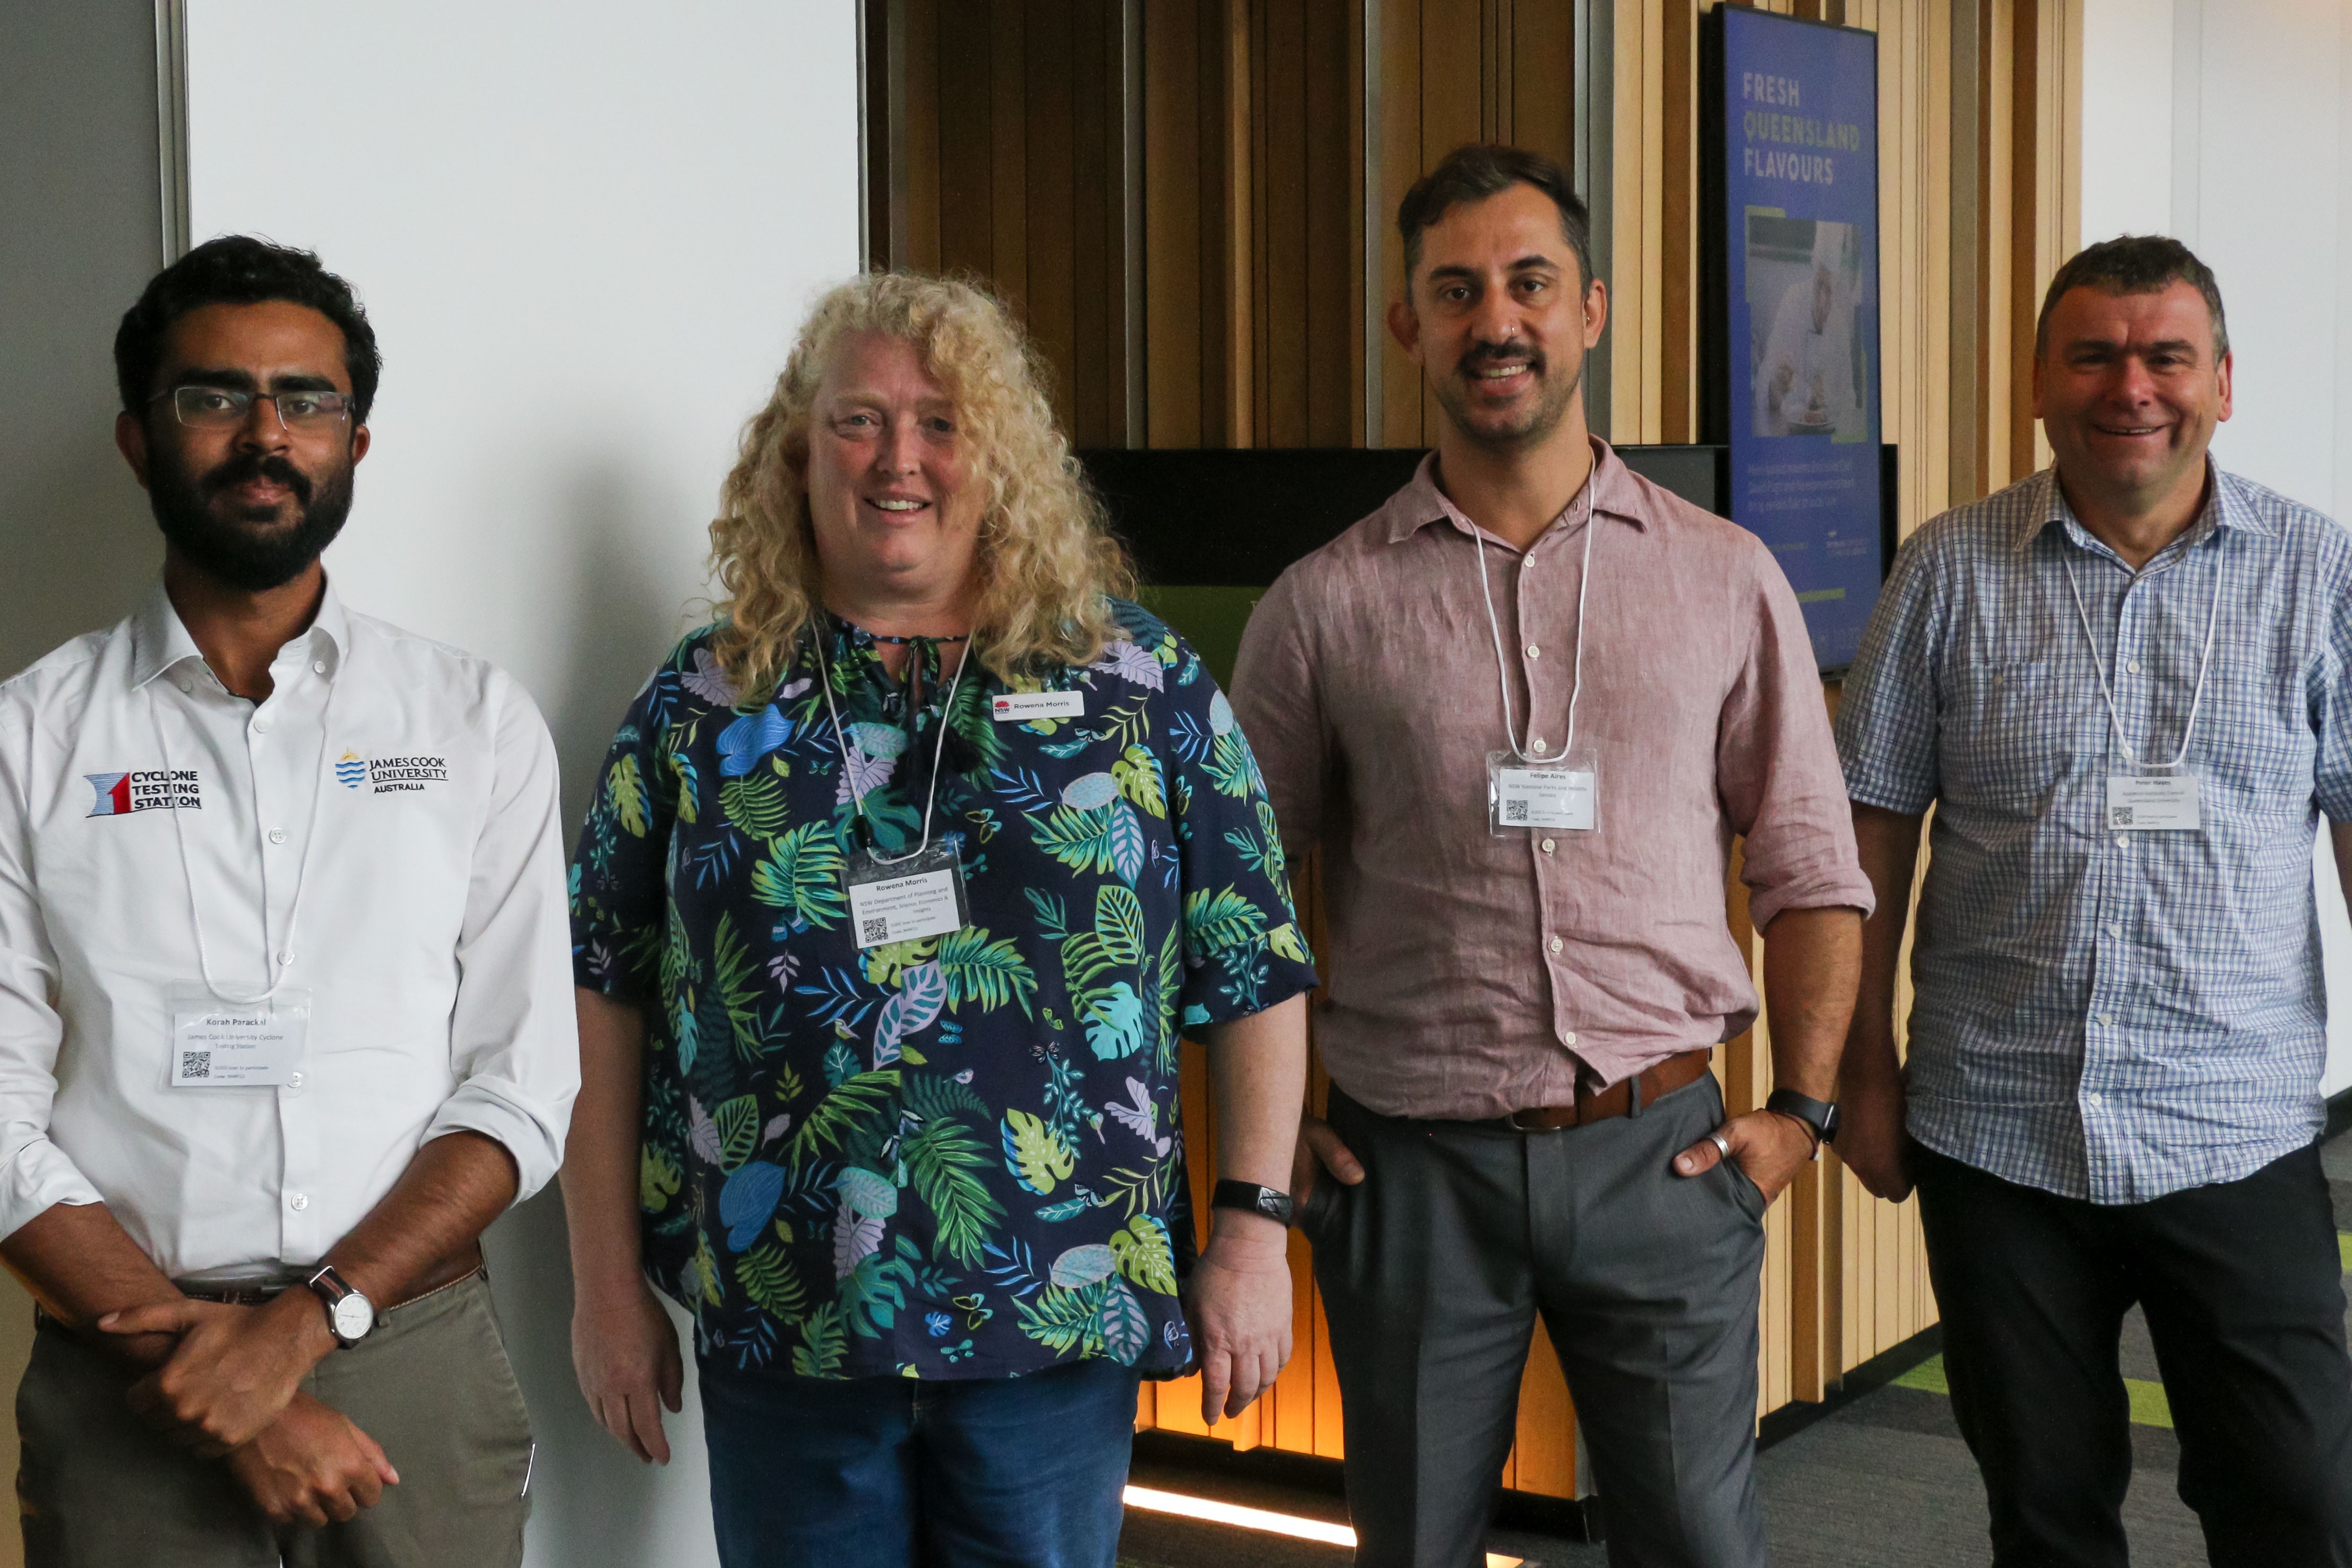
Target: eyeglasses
[225,408]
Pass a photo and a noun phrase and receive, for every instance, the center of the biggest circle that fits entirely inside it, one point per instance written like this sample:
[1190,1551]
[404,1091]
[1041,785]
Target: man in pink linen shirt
[1523,708]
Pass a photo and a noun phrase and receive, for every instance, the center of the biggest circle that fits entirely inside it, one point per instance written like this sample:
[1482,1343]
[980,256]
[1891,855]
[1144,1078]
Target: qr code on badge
[2119,817]
[1515,811]
[877,929]
[195,1064]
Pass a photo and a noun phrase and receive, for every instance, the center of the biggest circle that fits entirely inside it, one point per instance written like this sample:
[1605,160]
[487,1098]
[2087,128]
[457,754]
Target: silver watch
[349,1315]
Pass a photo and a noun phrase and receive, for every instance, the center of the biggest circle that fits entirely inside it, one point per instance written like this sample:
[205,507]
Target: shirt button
[1547,845]
[286,957]
[299,1202]
[261,726]
[318,667]
[1538,745]
[294,1080]
[1556,944]
[2133,667]
[278,835]
[2116,928]
[2092,1099]
[2123,841]
[1568,1038]
[2106,1020]
[1534,652]
[186,685]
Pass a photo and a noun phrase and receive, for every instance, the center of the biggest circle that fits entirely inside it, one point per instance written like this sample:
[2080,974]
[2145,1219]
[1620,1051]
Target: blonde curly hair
[1046,549]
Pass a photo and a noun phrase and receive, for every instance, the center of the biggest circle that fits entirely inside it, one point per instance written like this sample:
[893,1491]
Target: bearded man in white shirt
[285,996]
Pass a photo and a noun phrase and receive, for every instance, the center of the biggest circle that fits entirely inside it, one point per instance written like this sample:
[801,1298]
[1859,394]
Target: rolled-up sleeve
[1242,945]
[1777,767]
[2330,683]
[1887,721]
[1277,703]
[38,1175]
[514,1034]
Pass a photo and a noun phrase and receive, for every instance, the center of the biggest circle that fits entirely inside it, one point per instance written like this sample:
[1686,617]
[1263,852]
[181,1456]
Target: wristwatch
[349,1315]
[1271,1202]
[1821,1115]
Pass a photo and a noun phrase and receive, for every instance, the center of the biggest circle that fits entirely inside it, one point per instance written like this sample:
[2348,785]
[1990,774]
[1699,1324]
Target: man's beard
[1538,420]
[241,549]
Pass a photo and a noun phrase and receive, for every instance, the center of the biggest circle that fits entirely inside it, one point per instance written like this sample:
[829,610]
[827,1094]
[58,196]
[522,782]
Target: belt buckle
[1511,1121]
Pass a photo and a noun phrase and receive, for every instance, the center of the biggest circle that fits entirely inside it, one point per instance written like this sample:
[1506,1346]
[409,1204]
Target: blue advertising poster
[1799,236]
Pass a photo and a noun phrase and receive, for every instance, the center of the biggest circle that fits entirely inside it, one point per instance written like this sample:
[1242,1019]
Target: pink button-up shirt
[1471,974]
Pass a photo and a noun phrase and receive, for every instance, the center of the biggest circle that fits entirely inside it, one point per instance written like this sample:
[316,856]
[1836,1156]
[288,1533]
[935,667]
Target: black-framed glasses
[227,408]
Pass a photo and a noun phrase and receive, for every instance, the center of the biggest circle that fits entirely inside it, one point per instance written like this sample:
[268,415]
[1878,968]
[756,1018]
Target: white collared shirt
[431,937]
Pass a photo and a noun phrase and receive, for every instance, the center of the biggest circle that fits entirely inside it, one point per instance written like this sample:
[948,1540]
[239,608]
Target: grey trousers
[1432,1272]
[99,1489]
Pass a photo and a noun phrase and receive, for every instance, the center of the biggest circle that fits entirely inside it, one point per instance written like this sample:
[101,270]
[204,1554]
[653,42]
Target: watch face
[353,1316]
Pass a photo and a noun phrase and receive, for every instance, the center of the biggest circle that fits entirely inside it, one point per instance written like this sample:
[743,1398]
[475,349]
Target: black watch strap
[1271,1202]
[1821,1115]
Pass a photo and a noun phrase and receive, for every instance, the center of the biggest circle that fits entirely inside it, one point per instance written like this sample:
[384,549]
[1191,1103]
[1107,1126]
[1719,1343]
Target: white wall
[2228,124]
[586,231]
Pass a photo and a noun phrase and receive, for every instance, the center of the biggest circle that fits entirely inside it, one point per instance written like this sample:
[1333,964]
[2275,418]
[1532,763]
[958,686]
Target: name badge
[921,896]
[2153,803]
[1017,707]
[228,1045]
[1560,796]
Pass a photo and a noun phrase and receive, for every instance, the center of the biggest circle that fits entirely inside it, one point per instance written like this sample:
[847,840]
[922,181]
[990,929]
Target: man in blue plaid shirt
[2123,684]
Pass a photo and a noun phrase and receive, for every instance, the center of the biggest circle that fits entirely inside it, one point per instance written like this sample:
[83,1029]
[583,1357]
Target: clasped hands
[231,1388]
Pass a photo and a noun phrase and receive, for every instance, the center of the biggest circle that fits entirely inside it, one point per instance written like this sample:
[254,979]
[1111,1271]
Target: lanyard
[1502,672]
[938,748]
[2213,619]
[270,958]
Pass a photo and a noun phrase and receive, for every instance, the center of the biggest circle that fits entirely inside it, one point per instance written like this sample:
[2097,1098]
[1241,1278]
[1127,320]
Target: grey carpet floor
[1883,1483]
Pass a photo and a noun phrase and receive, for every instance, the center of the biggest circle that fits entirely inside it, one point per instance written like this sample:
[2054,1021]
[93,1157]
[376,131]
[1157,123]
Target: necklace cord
[301,872]
[841,741]
[1502,671]
[2107,693]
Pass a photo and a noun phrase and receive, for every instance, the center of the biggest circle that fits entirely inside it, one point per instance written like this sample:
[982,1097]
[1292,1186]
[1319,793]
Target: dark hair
[238,269]
[1478,170]
[2134,264]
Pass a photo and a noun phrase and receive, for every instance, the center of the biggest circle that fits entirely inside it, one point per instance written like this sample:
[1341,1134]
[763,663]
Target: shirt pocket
[2002,742]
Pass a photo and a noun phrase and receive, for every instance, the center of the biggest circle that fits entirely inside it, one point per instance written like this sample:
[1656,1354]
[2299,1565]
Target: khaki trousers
[432,1383]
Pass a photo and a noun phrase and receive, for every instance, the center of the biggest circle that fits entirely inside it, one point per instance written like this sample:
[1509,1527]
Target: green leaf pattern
[960,1155]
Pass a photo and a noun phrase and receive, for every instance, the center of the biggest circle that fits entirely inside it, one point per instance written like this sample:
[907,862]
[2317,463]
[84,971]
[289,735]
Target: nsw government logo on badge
[146,789]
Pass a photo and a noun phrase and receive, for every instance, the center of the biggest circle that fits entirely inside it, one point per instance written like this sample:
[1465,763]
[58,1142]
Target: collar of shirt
[426,934]
[160,640]
[2225,507]
[1420,502]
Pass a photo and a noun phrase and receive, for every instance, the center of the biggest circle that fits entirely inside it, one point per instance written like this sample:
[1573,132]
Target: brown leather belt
[446,1273]
[1618,1100]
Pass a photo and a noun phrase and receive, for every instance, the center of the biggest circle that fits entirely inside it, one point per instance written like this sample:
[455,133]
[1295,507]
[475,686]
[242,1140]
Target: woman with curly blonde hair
[901,880]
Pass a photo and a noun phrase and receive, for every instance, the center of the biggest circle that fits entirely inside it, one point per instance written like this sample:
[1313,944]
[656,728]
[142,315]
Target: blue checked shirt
[2111,1015]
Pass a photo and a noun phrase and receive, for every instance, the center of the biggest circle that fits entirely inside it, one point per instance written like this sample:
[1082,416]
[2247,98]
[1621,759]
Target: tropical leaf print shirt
[958,1156]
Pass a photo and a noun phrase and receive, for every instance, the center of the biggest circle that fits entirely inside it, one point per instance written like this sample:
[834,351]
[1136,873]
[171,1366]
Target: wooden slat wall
[1252,197]
[1454,71]
[995,137]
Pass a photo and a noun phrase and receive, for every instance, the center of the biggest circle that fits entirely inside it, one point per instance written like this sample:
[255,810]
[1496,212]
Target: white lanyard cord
[1502,671]
[2204,664]
[270,954]
[939,747]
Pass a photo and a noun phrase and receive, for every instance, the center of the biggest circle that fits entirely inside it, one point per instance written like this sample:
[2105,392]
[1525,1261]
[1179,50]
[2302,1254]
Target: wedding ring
[1721,1142]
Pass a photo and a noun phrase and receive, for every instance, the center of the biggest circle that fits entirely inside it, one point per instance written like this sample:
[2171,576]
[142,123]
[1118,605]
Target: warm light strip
[1273,1524]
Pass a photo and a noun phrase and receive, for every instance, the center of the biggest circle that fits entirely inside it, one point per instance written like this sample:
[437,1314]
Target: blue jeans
[887,1472]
